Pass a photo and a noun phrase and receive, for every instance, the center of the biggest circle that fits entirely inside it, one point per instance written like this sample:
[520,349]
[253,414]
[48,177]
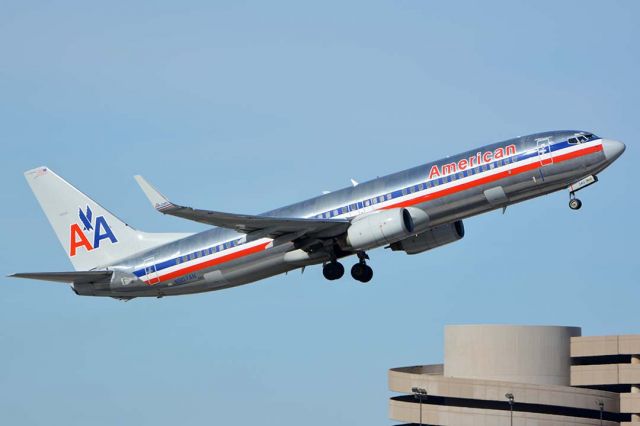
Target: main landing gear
[360,271]
[333,270]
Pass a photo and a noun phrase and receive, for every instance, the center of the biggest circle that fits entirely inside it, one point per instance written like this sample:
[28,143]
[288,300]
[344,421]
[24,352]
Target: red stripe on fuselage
[209,263]
[406,203]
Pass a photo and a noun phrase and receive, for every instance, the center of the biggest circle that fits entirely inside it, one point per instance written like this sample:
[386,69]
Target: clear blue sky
[245,107]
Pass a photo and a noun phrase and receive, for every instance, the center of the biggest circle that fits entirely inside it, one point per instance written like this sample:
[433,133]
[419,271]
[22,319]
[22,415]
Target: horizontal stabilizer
[86,277]
[267,225]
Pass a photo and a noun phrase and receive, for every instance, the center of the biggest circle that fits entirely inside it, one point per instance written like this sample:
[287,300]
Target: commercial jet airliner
[414,210]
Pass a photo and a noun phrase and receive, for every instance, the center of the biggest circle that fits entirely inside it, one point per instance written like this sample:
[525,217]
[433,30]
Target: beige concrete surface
[401,380]
[629,344]
[605,374]
[525,354]
[605,345]
[591,375]
[462,416]
[630,403]
[594,346]
[629,373]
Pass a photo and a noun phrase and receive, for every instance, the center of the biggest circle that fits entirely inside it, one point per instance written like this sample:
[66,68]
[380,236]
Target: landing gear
[575,204]
[361,271]
[333,270]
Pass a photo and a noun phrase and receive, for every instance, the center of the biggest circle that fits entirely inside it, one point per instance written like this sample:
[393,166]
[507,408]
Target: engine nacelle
[434,237]
[378,228]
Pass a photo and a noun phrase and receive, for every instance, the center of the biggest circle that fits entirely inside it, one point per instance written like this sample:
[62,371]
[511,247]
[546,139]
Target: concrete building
[522,375]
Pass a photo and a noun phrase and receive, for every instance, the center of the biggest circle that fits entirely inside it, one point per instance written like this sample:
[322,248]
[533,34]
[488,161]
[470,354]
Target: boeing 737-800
[414,210]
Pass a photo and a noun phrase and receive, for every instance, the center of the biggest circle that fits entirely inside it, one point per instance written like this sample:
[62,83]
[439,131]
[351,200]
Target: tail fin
[90,234]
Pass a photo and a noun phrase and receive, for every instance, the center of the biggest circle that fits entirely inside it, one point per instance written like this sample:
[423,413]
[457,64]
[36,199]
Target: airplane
[412,211]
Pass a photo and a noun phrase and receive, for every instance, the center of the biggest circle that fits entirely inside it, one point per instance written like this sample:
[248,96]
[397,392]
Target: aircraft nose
[612,149]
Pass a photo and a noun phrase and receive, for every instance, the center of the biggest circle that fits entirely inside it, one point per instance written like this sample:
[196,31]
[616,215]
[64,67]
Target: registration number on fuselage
[186,278]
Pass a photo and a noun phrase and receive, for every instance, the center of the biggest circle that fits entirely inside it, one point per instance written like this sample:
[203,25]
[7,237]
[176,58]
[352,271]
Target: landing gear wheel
[361,271]
[333,271]
[575,204]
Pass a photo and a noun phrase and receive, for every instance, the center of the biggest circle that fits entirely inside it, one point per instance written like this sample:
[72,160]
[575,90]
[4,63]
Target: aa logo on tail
[80,235]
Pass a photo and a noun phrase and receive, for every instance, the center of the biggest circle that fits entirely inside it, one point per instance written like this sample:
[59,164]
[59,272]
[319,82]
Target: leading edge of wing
[271,226]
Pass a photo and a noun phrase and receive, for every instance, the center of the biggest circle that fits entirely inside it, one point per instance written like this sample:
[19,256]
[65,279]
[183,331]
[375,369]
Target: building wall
[524,354]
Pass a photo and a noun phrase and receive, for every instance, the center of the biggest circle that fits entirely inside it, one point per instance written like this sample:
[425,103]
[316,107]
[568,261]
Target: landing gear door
[544,151]
[150,271]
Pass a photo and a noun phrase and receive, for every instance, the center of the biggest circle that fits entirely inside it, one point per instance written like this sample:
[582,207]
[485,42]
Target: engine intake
[379,228]
[434,237]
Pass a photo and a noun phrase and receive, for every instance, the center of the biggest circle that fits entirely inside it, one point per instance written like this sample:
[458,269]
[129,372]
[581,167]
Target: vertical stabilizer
[91,236]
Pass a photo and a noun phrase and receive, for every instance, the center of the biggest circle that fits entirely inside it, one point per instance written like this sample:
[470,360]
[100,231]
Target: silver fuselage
[447,190]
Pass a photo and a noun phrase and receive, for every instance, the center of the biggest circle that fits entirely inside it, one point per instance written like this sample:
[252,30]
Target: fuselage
[454,188]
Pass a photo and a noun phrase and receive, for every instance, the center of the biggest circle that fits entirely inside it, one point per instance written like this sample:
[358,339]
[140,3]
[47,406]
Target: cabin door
[544,152]
[150,271]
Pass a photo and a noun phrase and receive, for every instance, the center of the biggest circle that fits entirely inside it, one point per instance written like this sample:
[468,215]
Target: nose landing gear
[574,203]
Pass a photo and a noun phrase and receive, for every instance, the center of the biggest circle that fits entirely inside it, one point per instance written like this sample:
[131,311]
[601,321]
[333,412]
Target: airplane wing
[266,226]
[87,277]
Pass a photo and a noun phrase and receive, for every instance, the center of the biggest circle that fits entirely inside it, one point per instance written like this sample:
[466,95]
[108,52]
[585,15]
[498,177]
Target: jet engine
[434,237]
[380,227]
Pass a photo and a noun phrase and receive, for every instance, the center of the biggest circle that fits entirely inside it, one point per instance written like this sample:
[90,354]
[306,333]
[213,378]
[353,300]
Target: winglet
[158,201]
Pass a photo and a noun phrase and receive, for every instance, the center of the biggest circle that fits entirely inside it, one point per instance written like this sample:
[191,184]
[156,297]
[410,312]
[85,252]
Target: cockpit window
[582,138]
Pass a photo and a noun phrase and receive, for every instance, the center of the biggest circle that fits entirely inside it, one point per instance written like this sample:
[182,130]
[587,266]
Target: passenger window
[388,196]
